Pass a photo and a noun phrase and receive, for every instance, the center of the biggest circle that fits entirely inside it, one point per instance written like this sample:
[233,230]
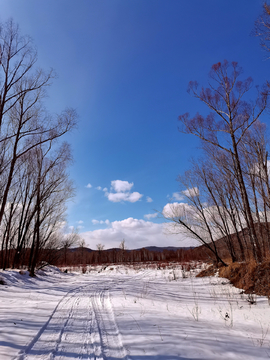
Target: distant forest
[82,256]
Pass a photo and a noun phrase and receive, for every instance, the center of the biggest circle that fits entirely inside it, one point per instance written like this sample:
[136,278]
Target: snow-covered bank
[126,313]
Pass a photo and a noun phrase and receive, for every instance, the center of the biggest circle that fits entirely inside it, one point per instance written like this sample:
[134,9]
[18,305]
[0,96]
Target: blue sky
[124,65]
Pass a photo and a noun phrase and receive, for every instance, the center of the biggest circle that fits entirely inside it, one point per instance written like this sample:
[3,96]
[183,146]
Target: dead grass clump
[210,271]
[261,276]
[232,272]
[252,277]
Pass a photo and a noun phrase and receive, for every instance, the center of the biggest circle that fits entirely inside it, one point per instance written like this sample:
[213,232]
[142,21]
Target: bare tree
[222,212]
[122,245]
[52,190]
[100,248]
[82,244]
[123,248]
[68,241]
[262,27]
[194,218]
[32,184]
[17,64]
[230,119]
[24,122]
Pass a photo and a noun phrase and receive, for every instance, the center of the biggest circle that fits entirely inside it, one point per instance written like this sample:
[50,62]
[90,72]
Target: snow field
[118,312]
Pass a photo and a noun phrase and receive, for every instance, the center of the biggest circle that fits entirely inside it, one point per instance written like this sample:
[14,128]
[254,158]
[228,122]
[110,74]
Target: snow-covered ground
[129,313]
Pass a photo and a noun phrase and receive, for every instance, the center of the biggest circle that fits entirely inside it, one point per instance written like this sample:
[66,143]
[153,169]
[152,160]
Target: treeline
[34,184]
[83,256]
[86,256]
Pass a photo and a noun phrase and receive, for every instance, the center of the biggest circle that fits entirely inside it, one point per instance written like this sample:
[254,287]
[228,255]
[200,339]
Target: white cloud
[170,210]
[191,192]
[122,192]
[99,188]
[107,222]
[80,222]
[117,197]
[95,222]
[137,233]
[133,197]
[105,189]
[88,186]
[176,210]
[148,199]
[121,186]
[150,216]
[178,196]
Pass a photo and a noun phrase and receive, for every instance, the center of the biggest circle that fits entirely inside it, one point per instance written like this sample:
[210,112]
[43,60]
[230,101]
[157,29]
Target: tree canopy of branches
[262,27]
[232,184]
[33,179]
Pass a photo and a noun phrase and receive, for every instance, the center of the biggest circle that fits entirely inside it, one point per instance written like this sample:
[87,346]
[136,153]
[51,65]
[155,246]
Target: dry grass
[250,276]
[210,271]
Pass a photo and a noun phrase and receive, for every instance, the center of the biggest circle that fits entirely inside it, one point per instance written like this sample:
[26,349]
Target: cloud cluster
[191,192]
[100,188]
[150,216]
[120,191]
[95,222]
[80,226]
[177,210]
[178,196]
[137,233]
[121,186]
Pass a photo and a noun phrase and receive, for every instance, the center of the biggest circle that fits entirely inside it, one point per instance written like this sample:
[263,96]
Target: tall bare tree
[33,185]
[230,119]
[24,122]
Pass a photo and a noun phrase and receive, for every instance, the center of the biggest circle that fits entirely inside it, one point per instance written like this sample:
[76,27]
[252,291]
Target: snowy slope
[127,313]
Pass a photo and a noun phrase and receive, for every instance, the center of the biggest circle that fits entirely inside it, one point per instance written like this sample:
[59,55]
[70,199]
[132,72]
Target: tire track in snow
[112,346]
[77,339]
[59,307]
[82,326]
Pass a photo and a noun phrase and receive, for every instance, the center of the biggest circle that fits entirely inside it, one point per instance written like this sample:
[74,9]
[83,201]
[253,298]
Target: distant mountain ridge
[149,248]
[169,248]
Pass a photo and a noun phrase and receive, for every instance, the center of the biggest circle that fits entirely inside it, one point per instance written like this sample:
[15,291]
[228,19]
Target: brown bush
[251,277]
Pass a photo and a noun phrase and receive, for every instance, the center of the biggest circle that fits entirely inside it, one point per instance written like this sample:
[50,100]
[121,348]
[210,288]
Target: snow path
[82,326]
